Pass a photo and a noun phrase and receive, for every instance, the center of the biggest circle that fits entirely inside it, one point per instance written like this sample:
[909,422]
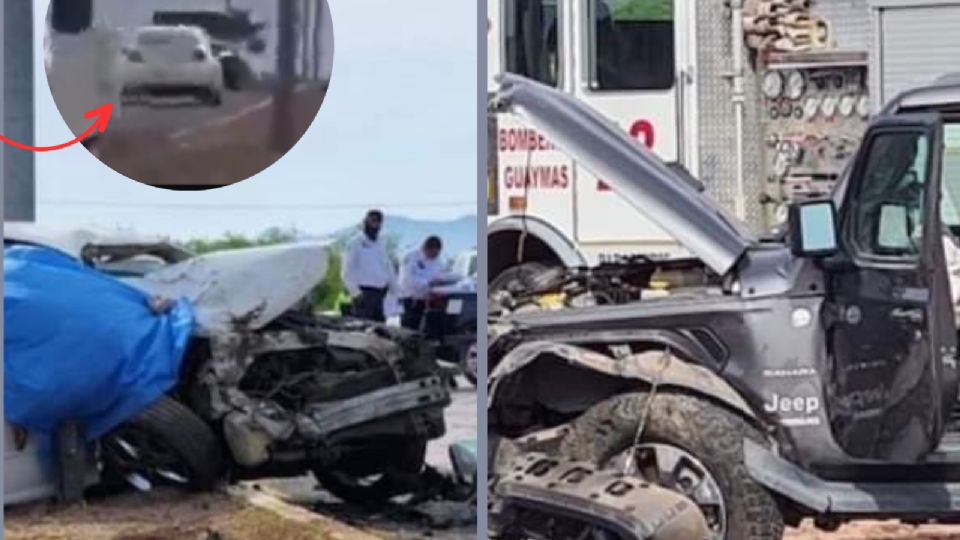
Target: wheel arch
[568,377]
[541,242]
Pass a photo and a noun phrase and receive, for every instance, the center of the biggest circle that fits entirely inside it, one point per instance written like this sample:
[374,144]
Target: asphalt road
[181,143]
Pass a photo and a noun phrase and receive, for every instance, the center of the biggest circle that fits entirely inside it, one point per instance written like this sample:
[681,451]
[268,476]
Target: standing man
[420,270]
[368,272]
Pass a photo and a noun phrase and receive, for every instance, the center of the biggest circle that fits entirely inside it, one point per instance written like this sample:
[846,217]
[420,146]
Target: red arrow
[102,116]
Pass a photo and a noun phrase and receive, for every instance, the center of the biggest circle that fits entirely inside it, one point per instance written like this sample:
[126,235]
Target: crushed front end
[311,393]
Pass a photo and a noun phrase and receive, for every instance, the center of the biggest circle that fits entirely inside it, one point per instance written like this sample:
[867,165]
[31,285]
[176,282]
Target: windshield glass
[532,40]
[950,203]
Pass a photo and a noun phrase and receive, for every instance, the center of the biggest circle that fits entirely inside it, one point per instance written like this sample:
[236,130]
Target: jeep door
[891,369]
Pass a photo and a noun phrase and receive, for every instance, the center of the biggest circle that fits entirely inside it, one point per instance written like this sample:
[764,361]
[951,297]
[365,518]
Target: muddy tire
[711,434]
[372,476]
[175,445]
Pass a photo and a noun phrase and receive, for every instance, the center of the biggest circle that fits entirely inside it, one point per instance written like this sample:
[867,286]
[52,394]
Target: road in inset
[179,143]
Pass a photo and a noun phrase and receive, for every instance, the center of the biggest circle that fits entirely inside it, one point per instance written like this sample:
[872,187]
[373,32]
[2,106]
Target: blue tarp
[81,345]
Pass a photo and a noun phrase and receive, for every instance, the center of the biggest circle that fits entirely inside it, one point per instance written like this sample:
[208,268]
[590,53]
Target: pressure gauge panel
[796,84]
[863,107]
[811,107]
[773,85]
[848,105]
[829,106]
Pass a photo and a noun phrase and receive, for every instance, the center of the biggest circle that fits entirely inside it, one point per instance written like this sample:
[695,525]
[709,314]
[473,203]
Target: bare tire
[516,277]
[371,476]
[165,444]
[700,434]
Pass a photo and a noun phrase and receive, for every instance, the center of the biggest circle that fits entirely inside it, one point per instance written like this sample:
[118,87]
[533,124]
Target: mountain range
[458,235]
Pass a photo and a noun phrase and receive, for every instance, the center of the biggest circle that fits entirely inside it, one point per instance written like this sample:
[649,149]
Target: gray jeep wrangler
[812,375]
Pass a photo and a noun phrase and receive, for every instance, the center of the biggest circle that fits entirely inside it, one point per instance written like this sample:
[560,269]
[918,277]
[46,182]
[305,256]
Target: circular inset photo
[189,94]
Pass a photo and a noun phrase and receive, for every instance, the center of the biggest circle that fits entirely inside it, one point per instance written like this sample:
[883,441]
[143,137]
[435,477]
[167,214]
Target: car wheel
[515,278]
[688,445]
[166,444]
[468,362]
[373,475]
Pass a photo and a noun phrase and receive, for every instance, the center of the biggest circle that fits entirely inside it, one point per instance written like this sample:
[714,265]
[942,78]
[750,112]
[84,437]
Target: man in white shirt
[368,272]
[420,270]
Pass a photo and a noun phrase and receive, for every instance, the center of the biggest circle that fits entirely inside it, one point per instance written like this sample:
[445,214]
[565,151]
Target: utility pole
[282,132]
[16,106]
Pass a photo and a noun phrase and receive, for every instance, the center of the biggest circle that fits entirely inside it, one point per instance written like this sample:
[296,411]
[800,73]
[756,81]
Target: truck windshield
[632,44]
[531,40]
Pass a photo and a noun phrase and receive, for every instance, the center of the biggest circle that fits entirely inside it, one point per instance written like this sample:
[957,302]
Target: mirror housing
[812,228]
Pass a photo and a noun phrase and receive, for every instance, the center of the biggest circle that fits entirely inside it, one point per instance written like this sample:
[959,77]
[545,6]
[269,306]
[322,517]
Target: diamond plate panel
[716,122]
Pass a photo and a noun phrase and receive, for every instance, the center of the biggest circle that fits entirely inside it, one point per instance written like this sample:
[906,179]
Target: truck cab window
[632,44]
[950,203]
[71,16]
[888,216]
[531,40]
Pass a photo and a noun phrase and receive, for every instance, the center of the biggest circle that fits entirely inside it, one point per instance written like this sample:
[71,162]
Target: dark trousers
[412,316]
[369,305]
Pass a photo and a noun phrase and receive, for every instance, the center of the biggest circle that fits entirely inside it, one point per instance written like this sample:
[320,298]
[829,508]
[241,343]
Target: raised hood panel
[243,287]
[634,172]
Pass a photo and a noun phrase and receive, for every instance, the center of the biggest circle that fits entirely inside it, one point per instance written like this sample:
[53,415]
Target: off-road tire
[183,432]
[710,433]
[405,458]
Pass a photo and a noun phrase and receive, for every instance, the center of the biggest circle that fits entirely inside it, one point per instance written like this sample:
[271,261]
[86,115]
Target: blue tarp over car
[82,345]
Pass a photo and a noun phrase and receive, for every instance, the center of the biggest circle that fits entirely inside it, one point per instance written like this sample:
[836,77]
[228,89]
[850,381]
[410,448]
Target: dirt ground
[170,515]
[877,530]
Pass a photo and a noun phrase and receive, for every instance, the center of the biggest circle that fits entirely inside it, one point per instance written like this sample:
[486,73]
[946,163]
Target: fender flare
[648,367]
[563,247]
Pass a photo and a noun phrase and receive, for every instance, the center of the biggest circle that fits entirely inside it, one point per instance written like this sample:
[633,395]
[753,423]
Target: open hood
[243,287]
[634,172]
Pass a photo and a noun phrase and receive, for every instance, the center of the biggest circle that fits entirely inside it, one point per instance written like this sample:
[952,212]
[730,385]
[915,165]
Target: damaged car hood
[635,173]
[240,288]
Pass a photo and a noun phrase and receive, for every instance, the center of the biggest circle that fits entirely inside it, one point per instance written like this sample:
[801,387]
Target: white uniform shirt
[366,264]
[416,273]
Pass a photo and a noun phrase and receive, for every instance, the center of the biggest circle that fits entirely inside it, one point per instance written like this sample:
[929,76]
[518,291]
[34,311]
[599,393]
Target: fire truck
[760,102]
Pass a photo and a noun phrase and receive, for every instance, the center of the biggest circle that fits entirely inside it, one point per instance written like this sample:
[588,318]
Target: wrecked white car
[265,383]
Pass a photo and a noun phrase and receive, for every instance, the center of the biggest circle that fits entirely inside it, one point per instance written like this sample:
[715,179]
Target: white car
[171,61]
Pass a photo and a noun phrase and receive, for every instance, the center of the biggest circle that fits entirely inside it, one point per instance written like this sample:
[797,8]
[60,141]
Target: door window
[632,45]
[950,203]
[531,40]
[888,216]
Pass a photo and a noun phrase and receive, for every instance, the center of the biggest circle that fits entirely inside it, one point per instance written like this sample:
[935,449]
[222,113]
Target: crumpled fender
[648,366]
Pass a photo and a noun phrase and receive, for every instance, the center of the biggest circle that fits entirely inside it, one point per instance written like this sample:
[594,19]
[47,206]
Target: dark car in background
[450,319]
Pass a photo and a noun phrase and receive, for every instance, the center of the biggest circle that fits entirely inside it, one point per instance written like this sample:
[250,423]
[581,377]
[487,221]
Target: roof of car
[73,241]
[943,91]
[171,29]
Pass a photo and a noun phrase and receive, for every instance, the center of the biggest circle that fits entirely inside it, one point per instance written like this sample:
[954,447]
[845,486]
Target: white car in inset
[163,61]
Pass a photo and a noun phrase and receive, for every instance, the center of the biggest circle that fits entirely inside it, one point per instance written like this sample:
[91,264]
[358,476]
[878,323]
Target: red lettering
[522,140]
[544,177]
[644,128]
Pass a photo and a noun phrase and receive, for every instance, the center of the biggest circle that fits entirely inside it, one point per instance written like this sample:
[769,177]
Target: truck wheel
[165,444]
[688,445]
[468,363]
[372,476]
[516,277]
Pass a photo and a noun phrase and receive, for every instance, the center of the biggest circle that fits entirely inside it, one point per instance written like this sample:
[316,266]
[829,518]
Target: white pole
[736,42]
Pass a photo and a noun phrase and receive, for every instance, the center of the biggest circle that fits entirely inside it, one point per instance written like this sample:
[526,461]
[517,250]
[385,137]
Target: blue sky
[398,129]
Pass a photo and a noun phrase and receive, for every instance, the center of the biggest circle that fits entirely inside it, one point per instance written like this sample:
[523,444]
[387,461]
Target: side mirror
[812,228]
